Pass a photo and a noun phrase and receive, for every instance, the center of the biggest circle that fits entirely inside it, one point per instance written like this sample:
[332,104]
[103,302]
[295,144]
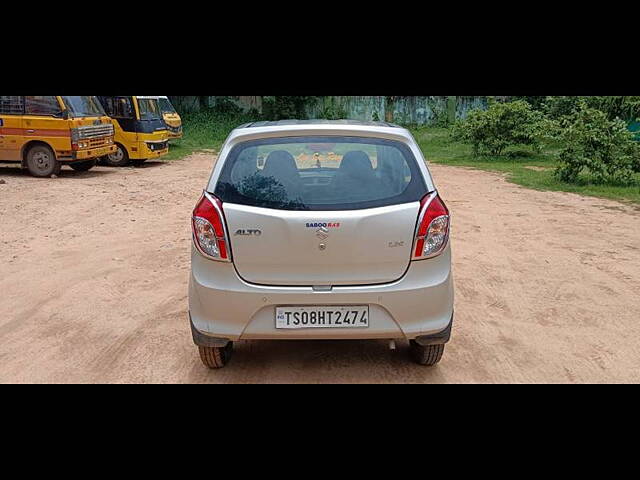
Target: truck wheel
[425,355]
[83,166]
[119,158]
[42,162]
[216,357]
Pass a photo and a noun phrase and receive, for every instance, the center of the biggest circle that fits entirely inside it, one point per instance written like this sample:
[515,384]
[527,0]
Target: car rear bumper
[225,307]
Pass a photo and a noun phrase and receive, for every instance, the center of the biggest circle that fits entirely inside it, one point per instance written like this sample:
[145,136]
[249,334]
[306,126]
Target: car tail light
[433,228]
[209,234]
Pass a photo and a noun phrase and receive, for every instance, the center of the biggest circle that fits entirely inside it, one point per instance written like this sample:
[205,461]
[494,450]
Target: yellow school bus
[171,118]
[45,132]
[140,131]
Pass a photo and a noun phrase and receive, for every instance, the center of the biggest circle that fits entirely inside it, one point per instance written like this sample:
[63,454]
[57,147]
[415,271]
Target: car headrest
[356,163]
[281,165]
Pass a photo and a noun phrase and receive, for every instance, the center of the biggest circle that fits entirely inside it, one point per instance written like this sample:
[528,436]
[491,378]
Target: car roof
[290,122]
[288,128]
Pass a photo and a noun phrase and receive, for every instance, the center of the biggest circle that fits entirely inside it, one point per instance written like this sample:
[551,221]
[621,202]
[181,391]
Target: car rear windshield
[320,173]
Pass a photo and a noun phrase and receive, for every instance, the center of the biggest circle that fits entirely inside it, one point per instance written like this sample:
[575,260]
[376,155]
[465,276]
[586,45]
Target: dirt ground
[94,269]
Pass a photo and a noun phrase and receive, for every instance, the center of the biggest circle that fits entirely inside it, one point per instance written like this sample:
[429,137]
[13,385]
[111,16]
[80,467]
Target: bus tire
[83,166]
[42,162]
[120,158]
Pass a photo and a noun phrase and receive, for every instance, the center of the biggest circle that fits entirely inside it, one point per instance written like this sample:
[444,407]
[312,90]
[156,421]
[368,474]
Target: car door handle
[30,131]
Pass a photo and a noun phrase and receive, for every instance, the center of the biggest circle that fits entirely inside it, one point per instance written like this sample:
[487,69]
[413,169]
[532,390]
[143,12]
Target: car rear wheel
[216,357]
[425,354]
[119,158]
[83,166]
[42,162]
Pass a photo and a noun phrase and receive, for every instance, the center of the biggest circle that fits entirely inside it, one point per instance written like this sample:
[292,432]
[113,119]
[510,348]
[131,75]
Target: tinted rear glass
[320,173]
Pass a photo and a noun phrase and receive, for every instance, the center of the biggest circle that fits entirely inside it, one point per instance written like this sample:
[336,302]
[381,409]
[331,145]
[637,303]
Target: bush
[625,107]
[558,108]
[600,146]
[227,105]
[536,103]
[285,107]
[332,110]
[502,125]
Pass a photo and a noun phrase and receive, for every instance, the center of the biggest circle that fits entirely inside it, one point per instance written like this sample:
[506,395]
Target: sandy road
[94,269]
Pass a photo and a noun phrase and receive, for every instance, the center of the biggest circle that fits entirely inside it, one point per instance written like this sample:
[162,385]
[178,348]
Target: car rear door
[349,247]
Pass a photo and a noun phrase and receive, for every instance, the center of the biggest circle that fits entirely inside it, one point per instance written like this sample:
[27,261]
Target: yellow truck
[140,131]
[171,118]
[45,132]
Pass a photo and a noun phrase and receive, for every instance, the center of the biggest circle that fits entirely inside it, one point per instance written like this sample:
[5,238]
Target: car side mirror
[64,114]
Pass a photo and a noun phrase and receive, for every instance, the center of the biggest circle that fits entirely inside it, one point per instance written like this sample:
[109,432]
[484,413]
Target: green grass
[438,147]
[204,131]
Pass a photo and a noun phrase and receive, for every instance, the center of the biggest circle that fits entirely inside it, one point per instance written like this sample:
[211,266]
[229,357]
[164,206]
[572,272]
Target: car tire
[42,162]
[83,166]
[118,159]
[427,355]
[216,357]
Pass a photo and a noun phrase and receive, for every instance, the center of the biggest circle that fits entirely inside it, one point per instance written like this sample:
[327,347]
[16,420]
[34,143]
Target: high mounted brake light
[433,228]
[209,234]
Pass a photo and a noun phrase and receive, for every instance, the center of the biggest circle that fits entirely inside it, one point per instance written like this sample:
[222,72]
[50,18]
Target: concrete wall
[407,110]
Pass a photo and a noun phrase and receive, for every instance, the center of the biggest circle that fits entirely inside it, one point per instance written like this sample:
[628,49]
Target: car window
[320,173]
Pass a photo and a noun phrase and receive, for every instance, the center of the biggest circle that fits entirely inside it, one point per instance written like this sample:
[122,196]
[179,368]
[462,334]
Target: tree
[389,108]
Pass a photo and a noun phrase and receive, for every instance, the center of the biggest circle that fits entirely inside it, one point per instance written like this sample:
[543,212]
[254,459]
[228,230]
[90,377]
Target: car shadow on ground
[319,361]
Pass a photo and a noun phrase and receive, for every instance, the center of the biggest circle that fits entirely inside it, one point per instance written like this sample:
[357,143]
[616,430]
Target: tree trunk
[389,107]
[451,110]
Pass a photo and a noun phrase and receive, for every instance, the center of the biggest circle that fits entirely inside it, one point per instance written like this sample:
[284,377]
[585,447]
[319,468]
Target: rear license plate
[328,316]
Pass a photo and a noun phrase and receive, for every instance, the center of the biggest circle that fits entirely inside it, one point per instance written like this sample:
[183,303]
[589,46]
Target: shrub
[536,103]
[332,110]
[625,107]
[500,126]
[285,107]
[226,105]
[597,145]
[558,108]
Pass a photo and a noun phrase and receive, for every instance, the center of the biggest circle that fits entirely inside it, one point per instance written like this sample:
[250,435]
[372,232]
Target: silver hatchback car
[320,230]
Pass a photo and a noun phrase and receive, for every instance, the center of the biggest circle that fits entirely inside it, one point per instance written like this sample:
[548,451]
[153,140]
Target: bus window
[118,107]
[41,105]
[12,105]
